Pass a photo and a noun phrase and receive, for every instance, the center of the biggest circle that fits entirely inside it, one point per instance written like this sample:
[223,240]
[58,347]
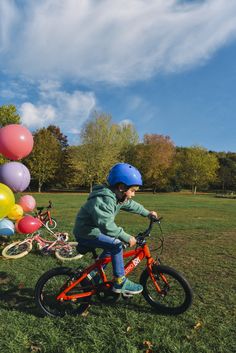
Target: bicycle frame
[137,256]
[42,242]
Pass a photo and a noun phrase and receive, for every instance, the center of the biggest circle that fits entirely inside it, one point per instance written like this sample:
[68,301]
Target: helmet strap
[119,190]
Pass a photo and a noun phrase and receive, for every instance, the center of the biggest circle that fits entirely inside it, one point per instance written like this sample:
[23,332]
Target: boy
[95,222]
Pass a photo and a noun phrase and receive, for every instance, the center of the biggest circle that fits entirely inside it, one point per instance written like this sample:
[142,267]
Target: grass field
[200,234]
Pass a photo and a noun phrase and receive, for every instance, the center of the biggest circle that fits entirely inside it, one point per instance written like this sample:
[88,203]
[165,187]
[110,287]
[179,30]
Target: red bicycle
[65,290]
[45,217]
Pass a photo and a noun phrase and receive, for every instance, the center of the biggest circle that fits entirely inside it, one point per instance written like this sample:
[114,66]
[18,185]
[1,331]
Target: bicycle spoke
[49,287]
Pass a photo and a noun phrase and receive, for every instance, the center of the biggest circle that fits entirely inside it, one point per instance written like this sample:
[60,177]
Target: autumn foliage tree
[154,158]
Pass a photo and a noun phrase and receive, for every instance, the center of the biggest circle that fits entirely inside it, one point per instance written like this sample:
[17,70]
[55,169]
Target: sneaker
[127,287]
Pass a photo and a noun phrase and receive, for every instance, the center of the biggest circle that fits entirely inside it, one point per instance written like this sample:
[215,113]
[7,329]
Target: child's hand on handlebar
[132,241]
[153,214]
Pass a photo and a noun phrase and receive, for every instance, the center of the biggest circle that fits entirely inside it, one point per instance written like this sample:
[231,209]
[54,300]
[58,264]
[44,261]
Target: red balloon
[28,224]
[16,141]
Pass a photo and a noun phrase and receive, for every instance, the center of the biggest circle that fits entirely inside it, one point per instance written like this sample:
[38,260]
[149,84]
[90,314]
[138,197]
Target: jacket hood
[101,190]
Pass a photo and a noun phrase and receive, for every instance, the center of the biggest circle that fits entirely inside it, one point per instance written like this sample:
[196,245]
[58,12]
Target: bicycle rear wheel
[50,284]
[68,252]
[16,250]
[176,293]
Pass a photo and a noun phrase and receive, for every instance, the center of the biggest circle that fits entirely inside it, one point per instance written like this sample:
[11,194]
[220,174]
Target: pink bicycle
[63,249]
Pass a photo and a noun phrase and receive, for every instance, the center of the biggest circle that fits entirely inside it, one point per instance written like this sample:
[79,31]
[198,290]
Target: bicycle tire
[17,250]
[53,225]
[68,252]
[165,302]
[45,297]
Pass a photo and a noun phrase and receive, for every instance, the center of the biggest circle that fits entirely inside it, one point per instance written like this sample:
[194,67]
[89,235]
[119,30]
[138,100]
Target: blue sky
[166,66]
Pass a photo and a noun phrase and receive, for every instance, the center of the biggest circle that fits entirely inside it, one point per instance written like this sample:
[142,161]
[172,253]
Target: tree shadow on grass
[16,297]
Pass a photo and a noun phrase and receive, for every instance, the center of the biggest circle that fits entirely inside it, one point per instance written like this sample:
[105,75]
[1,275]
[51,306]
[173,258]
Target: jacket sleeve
[103,216]
[135,207]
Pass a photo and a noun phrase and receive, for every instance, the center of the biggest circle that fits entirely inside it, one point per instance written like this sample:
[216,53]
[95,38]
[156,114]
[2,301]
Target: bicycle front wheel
[48,287]
[175,294]
[68,252]
[16,250]
[51,224]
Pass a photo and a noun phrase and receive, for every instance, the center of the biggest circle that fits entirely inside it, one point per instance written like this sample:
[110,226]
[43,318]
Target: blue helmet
[124,173]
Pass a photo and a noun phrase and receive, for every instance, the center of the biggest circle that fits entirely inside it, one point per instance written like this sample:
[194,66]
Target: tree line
[54,164]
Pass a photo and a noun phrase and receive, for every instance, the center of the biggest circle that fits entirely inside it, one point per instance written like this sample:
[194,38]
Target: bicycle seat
[85,249]
[40,208]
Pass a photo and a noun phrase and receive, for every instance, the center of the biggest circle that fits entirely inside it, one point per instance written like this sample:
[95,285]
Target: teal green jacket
[97,215]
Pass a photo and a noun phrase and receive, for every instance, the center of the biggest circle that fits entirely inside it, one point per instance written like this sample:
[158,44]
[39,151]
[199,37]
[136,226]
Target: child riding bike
[95,225]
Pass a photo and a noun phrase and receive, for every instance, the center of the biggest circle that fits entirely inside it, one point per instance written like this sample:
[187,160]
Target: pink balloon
[27,202]
[16,141]
[28,224]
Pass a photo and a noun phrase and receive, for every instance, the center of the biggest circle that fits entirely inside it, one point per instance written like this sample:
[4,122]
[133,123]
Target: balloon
[15,175]
[27,202]
[16,226]
[16,141]
[7,200]
[28,224]
[16,212]
[6,227]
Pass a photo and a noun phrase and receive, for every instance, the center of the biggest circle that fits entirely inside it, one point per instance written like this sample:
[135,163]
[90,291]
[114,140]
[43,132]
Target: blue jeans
[112,247]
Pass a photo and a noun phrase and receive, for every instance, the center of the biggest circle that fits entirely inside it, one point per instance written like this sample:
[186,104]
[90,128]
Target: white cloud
[55,106]
[8,18]
[115,41]
[37,116]
[126,122]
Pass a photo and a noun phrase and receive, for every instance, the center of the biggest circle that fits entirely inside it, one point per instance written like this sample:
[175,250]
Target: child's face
[131,192]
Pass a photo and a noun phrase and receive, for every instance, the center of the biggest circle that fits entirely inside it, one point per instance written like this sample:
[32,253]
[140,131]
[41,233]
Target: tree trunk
[40,186]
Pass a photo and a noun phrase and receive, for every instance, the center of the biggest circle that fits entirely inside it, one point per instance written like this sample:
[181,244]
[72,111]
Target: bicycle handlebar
[142,235]
[147,232]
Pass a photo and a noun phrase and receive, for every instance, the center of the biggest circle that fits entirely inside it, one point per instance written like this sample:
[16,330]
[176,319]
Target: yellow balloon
[7,200]
[16,212]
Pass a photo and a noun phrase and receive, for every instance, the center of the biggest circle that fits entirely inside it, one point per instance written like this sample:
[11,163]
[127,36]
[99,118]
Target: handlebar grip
[155,219]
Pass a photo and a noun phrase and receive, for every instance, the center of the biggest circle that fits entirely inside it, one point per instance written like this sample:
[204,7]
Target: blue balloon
[6,227]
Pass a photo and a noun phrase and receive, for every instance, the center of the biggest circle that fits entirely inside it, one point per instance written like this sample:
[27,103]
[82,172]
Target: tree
[9,115]
[102,146]
[64,162]
[227,170]
[44,158]
[154,158]
[61,138]
[198,167]
[73,167]
[127,137]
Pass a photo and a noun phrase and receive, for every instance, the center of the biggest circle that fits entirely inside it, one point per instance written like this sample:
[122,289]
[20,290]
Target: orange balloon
[16,212]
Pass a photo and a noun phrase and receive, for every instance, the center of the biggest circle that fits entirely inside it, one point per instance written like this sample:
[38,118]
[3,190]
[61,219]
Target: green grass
[199,242]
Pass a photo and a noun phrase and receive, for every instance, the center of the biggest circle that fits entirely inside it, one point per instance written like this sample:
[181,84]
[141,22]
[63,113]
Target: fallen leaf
[35,349]
[149,346]
[197,326]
